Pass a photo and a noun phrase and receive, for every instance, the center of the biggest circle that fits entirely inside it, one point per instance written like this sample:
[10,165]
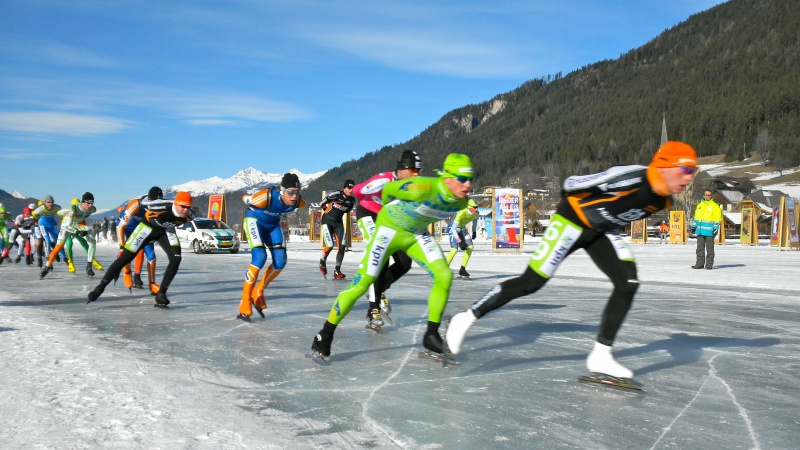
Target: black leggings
[600,248]
[173,255]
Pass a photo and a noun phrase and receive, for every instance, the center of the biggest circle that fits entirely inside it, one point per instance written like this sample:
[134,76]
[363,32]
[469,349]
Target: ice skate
[47,269]
[457,330]
[321,348]
[462,273]
[127,279]
[70,266]
[600,361]
[375,323]
[259,304]
[89,271]
[137,281]
[39,262]
[386,308]
[95,293]
[242,316]
[323,268]
[17,259]
[97,265]
[435,349]
[337,275]
[161,301]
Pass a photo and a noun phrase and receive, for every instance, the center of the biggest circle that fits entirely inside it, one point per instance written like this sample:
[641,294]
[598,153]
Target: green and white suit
[410,206]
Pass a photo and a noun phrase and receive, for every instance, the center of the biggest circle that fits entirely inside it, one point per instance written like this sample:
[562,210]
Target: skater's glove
[715,232]
[694,229]
[119,255]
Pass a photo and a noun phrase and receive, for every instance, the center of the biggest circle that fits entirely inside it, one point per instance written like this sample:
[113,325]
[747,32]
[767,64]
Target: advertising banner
[217,207]
[677,227]
[749,234]
[639,231]
[507,219]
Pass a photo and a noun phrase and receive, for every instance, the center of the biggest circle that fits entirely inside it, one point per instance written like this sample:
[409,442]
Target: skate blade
[373,328]
[446,360]
[317,358]
[241,316]
[158,305]
[608,380]
[460,277]
[260,311]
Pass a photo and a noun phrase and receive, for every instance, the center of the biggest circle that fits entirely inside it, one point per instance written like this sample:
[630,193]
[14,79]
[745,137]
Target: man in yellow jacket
[706,223]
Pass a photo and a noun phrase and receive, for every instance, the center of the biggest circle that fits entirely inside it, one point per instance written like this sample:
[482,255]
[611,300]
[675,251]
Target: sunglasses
[461,179]
[686,170]
[292,192]
[88,202]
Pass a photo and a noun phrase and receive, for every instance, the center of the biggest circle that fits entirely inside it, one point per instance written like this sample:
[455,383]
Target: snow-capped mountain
[16,194]
[249,178]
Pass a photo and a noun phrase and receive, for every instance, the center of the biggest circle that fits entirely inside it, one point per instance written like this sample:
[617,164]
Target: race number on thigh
[137,237]
[172,237]
[430,248]
[378,249]
[367,226]
[557,240]
[624,252]
[327,240]
[251,229]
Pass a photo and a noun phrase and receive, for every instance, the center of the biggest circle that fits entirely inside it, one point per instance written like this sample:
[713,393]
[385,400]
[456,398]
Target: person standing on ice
[370,201]
[158,225]
[592,209]
[460,237]
[409,207]
[262,226]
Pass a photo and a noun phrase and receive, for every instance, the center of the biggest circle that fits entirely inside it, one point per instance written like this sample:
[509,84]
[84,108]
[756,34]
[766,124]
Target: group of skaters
[394,210]
[35,233]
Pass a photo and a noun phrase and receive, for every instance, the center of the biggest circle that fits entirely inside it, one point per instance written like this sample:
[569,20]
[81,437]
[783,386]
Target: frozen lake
[716,351]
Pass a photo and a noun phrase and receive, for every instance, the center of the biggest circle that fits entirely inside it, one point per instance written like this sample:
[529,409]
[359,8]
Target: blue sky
[116,96]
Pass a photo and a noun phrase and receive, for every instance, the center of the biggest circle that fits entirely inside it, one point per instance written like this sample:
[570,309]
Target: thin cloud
[51,52]
[60,123]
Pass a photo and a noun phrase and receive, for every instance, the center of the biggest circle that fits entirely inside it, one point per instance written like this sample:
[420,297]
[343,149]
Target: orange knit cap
[183,199]
[675,154]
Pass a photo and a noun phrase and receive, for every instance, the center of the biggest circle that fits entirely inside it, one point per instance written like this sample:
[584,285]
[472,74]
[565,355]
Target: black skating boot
[47,269]
[137,281]
[323,268]
[17,259]
[462,272]
[161,299]
[39,262]
[433,341]
[95,293]
[89,271]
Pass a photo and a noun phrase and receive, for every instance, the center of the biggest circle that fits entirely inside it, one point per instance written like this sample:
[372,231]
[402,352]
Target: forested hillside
[726,80]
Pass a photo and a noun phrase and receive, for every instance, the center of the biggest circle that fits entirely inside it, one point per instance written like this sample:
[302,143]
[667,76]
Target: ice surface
[716,351]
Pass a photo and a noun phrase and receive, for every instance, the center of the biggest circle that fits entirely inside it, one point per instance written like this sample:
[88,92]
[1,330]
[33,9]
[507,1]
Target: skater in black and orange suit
[334,207]
[591,211]
[159,222]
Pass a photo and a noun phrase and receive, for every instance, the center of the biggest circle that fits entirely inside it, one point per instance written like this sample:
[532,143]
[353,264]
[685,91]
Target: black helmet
[409,160]
[155,193]
[348,183]
[290,181]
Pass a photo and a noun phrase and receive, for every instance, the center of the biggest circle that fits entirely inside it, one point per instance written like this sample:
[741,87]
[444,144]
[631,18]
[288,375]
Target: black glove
[715,233]
[693,230]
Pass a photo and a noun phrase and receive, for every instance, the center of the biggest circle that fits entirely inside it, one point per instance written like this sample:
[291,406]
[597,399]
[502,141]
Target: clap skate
[605,370]
[375,323]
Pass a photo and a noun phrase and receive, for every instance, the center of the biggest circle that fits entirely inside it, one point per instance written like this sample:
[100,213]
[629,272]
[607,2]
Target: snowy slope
[243,179]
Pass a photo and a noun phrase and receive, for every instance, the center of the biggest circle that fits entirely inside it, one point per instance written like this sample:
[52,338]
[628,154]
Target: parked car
[207,235]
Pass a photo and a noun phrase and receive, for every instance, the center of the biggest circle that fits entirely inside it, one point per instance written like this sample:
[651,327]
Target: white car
[207,235]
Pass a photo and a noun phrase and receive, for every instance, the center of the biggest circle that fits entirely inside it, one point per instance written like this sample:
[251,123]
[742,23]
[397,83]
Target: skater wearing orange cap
[159,222]
[591,211]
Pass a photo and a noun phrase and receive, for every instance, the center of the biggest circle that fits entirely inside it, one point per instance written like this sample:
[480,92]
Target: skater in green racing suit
[409,207]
